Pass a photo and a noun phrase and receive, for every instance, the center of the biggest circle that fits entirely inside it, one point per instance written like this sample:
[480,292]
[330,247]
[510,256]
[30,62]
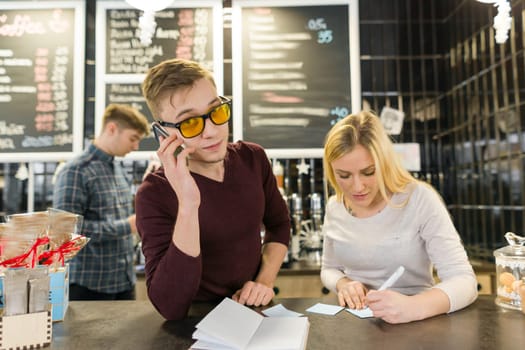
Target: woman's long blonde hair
[365,129]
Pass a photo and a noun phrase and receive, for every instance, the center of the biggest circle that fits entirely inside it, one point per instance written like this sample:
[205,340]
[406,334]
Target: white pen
[392,279]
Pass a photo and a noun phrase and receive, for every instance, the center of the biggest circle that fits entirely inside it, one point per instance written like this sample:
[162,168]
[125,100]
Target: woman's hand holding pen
[388,305]
[391,306]
[394,307]
[351,293]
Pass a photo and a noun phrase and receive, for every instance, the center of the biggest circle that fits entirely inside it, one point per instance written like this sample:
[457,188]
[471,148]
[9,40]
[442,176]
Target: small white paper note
[392,120]
[325,309]
[362,313]
[280,311]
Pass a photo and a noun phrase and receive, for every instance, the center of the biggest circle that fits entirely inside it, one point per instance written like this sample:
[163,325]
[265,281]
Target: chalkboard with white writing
[179,32]
[292,71]
[40,86]
[186,29]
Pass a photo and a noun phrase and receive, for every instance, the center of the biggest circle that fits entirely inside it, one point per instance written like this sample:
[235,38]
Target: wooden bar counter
[137,325]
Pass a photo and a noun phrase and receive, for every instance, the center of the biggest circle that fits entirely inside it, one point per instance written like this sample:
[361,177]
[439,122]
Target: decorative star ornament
[303,168]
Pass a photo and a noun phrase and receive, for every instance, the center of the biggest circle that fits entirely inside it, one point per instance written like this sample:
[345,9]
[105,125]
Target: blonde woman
[381,218]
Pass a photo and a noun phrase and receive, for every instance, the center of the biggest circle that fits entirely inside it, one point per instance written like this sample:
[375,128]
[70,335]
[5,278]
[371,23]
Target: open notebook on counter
[231,325]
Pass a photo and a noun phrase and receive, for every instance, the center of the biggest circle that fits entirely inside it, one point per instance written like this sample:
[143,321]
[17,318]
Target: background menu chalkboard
[296,73]
[37,81]
[182,31]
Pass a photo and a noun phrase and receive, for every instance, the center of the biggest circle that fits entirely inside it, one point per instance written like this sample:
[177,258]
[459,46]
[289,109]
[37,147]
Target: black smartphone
[158,130]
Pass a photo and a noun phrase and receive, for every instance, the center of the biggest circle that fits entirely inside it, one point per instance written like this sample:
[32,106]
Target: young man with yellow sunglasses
[200,215]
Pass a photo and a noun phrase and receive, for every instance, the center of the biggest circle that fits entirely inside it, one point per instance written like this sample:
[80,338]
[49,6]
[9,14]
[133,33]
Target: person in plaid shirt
[95,186]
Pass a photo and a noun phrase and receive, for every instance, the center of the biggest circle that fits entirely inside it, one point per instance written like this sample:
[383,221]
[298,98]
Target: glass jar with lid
[510,271]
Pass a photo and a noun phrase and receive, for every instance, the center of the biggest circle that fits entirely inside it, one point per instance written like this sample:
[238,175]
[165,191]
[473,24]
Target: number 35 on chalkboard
[296,72]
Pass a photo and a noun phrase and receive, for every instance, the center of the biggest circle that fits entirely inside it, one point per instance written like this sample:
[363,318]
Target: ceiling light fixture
[502,21]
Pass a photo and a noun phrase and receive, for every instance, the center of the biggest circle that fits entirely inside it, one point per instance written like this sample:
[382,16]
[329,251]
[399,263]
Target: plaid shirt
[93,185]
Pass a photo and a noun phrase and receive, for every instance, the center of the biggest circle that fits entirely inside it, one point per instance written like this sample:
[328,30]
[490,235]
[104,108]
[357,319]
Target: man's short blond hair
[168,77]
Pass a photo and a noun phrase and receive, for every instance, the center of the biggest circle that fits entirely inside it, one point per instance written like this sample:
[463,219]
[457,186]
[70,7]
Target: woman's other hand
[351,293]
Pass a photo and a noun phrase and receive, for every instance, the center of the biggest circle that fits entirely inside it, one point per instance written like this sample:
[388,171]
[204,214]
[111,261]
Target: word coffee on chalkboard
[36,79]
[182,33]
[296,72]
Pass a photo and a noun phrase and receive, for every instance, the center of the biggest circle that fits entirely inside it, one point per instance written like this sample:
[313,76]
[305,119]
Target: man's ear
[111,128]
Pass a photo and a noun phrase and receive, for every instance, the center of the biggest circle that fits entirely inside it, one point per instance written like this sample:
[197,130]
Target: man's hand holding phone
[176,172]
[159,130]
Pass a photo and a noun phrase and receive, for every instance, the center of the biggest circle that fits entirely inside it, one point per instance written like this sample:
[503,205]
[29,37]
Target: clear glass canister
[510,272]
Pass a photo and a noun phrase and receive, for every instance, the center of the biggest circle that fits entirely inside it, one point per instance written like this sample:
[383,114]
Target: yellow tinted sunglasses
[194,126]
